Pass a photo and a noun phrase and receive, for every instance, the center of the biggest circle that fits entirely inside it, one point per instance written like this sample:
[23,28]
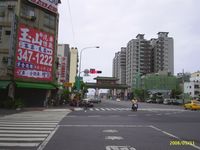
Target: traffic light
[99,71]
[93,71]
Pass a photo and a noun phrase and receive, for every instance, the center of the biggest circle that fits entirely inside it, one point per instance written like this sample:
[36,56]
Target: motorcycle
[134,107]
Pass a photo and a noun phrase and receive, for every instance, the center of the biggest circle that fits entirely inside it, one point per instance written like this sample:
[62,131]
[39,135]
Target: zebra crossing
[28,130]
[109,109]
[129,109]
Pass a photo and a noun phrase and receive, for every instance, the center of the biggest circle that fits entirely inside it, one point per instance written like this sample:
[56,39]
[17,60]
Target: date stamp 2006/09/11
[181,142]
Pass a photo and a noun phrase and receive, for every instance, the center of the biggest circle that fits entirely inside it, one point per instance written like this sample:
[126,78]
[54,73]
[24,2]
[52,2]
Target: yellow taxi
[193,105]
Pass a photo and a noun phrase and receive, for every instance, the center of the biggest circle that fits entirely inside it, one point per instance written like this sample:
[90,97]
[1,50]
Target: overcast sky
[110,24]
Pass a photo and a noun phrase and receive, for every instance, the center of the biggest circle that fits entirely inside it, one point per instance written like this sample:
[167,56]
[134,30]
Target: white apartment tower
[163,49]
[119,66]
[138,59]
[73,64]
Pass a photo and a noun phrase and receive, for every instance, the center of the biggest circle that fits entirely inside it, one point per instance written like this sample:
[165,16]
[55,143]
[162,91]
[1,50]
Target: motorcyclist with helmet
[134,104]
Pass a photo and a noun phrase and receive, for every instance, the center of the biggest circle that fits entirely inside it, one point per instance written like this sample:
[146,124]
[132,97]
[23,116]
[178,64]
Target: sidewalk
[4,112]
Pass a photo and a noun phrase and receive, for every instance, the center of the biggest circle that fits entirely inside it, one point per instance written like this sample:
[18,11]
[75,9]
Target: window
[7,32]
[27,12]
[2,11]
[49,21]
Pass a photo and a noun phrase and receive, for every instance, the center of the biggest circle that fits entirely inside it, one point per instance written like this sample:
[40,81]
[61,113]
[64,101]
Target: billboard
[50,5]
[34,54]
[63,71]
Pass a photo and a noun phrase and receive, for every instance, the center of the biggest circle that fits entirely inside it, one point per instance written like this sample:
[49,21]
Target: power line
[71,21]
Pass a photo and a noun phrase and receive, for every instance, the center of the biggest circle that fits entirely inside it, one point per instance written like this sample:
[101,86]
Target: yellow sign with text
[67,84]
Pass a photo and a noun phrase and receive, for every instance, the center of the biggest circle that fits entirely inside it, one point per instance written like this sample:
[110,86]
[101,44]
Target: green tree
[65,94]
[140,94]
[175,93]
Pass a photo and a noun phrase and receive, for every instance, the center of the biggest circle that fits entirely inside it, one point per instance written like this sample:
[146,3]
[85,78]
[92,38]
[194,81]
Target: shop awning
[46,86]
[4,84]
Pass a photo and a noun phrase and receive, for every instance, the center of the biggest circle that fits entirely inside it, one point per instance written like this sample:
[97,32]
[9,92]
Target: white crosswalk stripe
[28,130]
[140,109]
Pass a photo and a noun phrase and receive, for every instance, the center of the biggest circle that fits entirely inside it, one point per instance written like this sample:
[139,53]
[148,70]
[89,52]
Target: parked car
[175,102]
[167,101]
[193,105]
[159,100]
[171,102]
[150,101]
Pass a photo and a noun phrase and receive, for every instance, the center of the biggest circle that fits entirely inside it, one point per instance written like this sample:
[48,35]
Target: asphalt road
[112,125]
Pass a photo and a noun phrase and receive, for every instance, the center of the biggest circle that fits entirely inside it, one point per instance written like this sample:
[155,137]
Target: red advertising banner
[47,4]
[63,72]
[34,54]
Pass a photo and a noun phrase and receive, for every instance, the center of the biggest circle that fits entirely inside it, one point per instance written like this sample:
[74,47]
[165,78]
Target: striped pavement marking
[140,109]
[28,130]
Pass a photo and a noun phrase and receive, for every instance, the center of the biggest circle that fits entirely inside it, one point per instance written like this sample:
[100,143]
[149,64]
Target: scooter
[134,107]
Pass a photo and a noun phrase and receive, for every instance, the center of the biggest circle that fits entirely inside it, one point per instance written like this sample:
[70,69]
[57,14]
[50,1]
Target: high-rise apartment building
[138,59]
[119,66]
[144,57]
[73,65]
[163,53]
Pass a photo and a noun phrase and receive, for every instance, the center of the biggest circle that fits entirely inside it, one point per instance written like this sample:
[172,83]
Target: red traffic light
[93,71]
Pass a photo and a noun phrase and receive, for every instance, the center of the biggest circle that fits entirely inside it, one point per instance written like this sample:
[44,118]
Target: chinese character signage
[63,73]
[47,4]
[34,54]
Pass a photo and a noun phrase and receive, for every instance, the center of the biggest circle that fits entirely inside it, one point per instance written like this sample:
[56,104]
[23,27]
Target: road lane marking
[119,126]
[114,138]
[114,116]
[46,110]
[30,123]
[30,139]
[18,131]
[21,125]
[94,116]
[44,143]
[110,131]
[6,144]
[23,135]
[132,115]
[112,147]
[24,128]
[173,136]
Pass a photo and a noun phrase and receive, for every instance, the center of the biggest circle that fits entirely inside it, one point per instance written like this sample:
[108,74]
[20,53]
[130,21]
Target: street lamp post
[79,70]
